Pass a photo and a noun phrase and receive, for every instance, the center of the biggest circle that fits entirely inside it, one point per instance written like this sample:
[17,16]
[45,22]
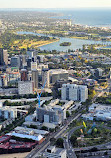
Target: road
[68,145]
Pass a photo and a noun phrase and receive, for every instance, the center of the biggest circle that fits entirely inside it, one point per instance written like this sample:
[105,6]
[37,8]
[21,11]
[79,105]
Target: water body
[98,17]
[75,43]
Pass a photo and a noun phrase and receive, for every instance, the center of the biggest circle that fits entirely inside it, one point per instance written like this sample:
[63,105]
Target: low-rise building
[30,131]
[39,139]
[98,112]
[88,116]
[49,125]
[67,105]
[104,116]
[54,102]
[53,152]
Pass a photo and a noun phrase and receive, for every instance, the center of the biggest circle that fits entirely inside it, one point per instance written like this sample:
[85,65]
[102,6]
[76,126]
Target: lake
[75,43]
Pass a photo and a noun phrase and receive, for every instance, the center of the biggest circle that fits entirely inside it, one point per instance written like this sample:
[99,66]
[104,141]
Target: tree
[67,114]
[83,48]
[73,139]
[51,129]
[59,142]
[94,149]
[106,153]
[44,128]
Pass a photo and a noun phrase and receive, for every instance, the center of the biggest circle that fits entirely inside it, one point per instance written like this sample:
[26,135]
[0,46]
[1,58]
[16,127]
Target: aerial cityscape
[55,79]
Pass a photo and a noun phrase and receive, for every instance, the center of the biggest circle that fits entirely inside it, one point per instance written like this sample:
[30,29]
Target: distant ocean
[91,17]
[85,16]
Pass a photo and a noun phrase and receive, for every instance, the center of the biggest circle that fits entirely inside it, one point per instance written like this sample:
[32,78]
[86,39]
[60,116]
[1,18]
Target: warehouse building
[39,139]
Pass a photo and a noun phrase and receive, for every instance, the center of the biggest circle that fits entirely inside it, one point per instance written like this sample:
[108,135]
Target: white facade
[7,113]
[46,118]
[83,93]
[74,92]
[33,65]
[25,87]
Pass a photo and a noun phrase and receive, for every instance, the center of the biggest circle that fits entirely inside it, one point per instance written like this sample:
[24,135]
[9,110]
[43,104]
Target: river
[75,43]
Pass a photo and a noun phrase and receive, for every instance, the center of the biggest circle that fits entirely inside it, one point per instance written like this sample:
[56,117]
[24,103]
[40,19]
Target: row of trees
[27,96]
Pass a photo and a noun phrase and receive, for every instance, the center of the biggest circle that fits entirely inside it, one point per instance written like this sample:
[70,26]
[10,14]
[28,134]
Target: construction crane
[39,95]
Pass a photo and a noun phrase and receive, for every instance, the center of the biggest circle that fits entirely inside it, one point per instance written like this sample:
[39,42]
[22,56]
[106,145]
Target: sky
[54,3]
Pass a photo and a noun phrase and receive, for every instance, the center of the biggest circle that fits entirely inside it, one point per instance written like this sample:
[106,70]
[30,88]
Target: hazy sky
[53,3]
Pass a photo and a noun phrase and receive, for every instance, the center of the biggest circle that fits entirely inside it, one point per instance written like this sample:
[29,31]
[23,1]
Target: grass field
[19,44]
[85,38]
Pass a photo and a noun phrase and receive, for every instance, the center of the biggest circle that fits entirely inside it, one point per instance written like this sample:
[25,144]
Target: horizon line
[60,8]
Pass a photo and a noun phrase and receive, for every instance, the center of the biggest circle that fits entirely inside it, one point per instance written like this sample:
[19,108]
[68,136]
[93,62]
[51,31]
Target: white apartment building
[25,87]
[74,92]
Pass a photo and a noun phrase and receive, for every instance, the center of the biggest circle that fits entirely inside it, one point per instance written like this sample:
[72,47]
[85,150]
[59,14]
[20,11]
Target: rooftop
[36,138]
